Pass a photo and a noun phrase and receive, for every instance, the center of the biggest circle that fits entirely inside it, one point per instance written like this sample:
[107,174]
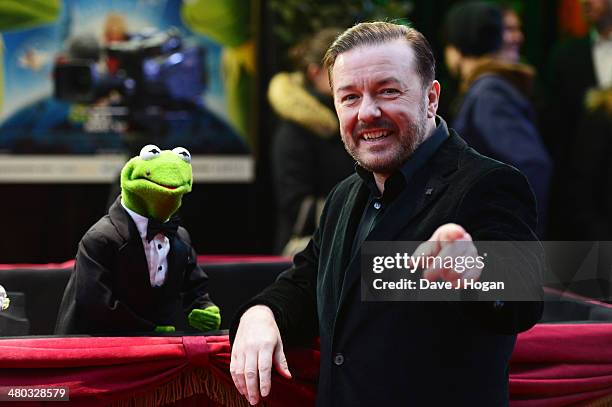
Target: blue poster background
[32,120]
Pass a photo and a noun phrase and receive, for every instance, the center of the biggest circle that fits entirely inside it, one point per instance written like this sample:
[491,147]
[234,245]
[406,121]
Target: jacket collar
[132,243]
[122,221]
[424,188]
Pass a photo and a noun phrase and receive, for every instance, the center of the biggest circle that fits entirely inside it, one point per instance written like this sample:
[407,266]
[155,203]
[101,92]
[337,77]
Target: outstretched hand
[257,347]
[449,240]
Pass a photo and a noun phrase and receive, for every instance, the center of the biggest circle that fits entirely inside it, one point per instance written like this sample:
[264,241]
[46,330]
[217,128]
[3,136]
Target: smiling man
[415,180]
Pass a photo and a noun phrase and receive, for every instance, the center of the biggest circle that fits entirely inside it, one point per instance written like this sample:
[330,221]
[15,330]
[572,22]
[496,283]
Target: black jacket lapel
[132,259]
[427,186]
[176,262]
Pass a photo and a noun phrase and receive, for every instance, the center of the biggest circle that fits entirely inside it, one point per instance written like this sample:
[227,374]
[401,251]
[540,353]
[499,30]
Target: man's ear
[433,97]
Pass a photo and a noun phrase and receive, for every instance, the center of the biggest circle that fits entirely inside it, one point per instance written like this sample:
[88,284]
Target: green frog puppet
[135,269]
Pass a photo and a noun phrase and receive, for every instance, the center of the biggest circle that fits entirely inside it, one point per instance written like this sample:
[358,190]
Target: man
[414,180]
[495,115]
[308,158]
[513,37]
[579,68]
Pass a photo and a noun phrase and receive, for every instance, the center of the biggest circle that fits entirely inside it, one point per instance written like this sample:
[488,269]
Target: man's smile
[375,135]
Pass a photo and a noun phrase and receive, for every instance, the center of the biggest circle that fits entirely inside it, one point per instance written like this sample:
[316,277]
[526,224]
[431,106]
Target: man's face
[381,104]
[513,37]
[596,10]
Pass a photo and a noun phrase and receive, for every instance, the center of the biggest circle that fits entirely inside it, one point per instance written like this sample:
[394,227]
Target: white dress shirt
[156,251]
[602,59]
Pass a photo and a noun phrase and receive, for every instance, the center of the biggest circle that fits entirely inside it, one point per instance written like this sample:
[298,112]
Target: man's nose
[368,109]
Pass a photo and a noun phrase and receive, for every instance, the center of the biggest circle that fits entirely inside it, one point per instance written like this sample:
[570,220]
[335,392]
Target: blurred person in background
[577,127]
[513,38]
[308,157]
[582,92]
[495,115]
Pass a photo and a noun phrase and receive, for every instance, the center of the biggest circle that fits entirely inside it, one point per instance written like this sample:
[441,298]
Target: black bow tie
[166,228]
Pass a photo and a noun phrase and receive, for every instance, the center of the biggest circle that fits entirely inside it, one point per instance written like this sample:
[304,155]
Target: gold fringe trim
[187,384]
[605,401]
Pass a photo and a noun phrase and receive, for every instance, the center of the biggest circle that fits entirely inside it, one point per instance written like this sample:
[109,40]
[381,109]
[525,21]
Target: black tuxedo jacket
[410,353]
[109,291]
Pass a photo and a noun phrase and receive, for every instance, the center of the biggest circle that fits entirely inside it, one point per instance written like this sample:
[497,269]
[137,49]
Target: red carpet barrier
[101,371]
[553,365]
[562,365]
[143,371]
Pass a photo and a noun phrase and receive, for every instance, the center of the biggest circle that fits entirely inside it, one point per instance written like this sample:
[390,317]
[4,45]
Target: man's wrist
[259,309]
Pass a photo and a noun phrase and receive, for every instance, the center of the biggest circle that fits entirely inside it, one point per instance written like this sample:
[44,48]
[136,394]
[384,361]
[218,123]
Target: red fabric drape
[552,365]
[99,371]
[561,364]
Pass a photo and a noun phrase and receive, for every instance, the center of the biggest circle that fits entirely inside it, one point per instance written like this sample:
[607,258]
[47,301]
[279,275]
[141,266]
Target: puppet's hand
[207,319]
[164,328]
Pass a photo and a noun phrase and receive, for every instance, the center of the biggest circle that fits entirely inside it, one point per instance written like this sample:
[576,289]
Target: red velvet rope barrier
[552,365]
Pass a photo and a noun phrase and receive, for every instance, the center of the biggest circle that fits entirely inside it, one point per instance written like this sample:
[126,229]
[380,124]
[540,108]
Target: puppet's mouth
[170,187]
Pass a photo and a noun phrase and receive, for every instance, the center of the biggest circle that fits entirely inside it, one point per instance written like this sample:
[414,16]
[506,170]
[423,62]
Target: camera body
[147,71]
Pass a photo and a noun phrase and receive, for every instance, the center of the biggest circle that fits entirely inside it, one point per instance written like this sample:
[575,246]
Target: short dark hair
[311,50]
[475,28]
[380,32]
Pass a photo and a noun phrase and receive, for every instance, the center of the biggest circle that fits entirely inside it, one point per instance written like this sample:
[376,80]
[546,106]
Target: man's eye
[389,91]
[348,98]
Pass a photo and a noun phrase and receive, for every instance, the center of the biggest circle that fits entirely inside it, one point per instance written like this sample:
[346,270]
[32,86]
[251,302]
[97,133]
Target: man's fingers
[280,362]
[425,249]
[237,372]
[448,232]
[458,250]
[251,375]
[265,371]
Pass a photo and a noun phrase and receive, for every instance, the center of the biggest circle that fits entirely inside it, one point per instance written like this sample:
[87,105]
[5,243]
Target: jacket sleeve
[500,207]
[96,308]
[195,282]
[292,297]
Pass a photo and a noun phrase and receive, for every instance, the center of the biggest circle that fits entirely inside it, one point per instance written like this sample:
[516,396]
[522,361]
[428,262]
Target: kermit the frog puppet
[135,269]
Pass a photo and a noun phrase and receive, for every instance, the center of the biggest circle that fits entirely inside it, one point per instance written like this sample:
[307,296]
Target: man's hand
[257,347]
[453,241]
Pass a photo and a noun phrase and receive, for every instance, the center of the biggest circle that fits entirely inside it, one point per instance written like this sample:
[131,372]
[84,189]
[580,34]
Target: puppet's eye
[149,151]
[183,153]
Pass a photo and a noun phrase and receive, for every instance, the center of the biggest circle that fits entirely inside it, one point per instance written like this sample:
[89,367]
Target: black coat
[303,165]
[109,291]
[408,354]
[498,121]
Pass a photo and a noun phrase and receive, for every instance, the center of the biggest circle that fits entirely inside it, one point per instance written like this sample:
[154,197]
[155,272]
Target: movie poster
[92,82]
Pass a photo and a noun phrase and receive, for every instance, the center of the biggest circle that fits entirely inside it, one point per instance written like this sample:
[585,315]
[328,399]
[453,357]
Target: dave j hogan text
[424,284]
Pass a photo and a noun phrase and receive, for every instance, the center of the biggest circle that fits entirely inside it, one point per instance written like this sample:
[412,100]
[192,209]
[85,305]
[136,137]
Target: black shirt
[395,184]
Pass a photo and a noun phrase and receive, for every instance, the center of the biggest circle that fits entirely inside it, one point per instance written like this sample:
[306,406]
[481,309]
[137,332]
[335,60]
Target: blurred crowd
[555,125]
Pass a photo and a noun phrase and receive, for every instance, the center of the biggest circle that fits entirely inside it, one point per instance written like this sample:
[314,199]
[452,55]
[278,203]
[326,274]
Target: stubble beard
[412,138]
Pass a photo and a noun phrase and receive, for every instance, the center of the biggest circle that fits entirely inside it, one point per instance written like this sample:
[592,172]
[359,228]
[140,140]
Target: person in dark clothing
[308,157]
[495,114]
[415,180]
[579,74]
